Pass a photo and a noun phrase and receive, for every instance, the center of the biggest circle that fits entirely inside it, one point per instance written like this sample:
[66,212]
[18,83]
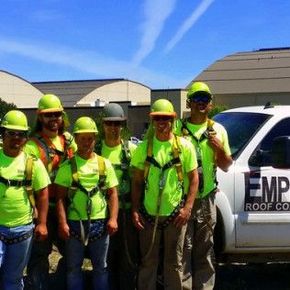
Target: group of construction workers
[141,214]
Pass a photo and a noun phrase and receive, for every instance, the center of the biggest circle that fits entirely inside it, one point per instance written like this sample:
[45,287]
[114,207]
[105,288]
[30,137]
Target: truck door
[263,211]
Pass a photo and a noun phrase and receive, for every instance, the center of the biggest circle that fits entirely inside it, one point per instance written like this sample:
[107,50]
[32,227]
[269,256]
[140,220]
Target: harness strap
[11,241]
[49,154]
[12,182]
[77,185]
[175,161]
[151,219]
[125,197]
[27,183]
[29,189]
[208,132]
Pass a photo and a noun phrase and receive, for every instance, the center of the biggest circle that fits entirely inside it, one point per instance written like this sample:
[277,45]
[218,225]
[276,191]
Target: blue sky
[160,43]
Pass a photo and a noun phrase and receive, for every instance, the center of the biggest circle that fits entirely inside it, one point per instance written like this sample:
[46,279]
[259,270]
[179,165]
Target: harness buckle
[162,182]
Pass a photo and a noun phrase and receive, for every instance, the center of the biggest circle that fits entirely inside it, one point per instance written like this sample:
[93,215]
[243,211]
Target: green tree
[217,109]
[5,107]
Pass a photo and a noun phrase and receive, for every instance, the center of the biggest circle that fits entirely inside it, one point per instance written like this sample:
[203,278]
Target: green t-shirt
[88,177]
[205,151]
[115,155]
[172,191]
[15,208]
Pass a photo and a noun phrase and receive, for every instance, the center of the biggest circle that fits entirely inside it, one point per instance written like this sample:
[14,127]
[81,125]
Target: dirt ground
[270,276]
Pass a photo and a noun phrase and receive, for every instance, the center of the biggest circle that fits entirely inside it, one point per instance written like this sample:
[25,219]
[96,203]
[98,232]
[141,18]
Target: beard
[53,125]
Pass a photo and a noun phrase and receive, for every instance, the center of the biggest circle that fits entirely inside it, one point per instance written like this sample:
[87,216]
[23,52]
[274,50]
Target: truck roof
[282,110]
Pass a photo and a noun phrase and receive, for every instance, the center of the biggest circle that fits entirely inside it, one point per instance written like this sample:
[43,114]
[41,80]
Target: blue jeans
[97,250]
[14,257]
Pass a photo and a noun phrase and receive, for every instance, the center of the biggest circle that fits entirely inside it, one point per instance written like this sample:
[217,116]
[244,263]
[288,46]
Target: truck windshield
[241,127]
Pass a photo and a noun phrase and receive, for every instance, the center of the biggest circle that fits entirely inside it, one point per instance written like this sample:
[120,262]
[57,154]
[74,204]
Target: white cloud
[86,61]
[156,12]
[188,23]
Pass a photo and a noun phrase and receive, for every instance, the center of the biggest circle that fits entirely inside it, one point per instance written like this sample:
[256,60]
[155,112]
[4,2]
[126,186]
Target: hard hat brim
[191,95]
[172,114]
[14,127]
[85,131]
[114,119]
[49,110]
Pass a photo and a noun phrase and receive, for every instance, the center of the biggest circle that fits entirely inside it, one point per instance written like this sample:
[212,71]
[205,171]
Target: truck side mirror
[281,152]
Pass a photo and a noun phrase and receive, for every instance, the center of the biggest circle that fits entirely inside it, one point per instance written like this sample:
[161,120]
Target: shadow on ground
[270,276]
[233,277]
[267,276]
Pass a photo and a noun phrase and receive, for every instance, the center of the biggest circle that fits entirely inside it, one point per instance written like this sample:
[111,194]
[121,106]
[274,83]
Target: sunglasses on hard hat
[162,118]
[200,99]
[13,134]
[52,115]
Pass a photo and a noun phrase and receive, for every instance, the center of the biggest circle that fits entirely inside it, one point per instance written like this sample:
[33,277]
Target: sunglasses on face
[162,118]
[200,99]
[19,134]
[113,123]
[52,115]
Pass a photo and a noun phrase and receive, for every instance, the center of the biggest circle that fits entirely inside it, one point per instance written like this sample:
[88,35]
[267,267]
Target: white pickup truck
[254,195]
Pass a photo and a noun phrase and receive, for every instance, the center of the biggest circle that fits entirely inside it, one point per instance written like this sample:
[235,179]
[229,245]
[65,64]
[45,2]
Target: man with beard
[20,176]
[212,149]
[52,145]
[165,182]
[123,249]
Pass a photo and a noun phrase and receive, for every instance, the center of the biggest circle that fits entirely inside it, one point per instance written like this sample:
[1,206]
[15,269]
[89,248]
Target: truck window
[241,127]
[261,156]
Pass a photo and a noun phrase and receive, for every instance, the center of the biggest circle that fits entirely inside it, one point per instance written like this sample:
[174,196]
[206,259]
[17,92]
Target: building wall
[120,91]
[18,91]
[176,96]
[137,116]
[239,100]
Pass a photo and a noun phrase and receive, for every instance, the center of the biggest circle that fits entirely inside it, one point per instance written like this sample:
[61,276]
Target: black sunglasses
[162,118]
[52,115]
[19,134]
[200,99]
[113,123]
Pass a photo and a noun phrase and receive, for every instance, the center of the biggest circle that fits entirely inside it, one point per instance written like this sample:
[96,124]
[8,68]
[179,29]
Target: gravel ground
[268,276]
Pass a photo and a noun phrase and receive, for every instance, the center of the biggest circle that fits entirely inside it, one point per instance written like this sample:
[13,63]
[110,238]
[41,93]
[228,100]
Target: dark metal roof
[259,71]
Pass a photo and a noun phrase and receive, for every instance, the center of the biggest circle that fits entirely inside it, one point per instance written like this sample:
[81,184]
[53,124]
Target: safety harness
[100,186]
[208,132]
[124,196]
[151,161]
[124,168]
[176,162]
[49,154]
[27,184]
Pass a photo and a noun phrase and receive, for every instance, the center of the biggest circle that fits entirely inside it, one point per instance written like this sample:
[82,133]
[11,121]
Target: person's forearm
[113,204]
[192,191]
[61,193]
[42,206]
[223,161]
[136,194]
